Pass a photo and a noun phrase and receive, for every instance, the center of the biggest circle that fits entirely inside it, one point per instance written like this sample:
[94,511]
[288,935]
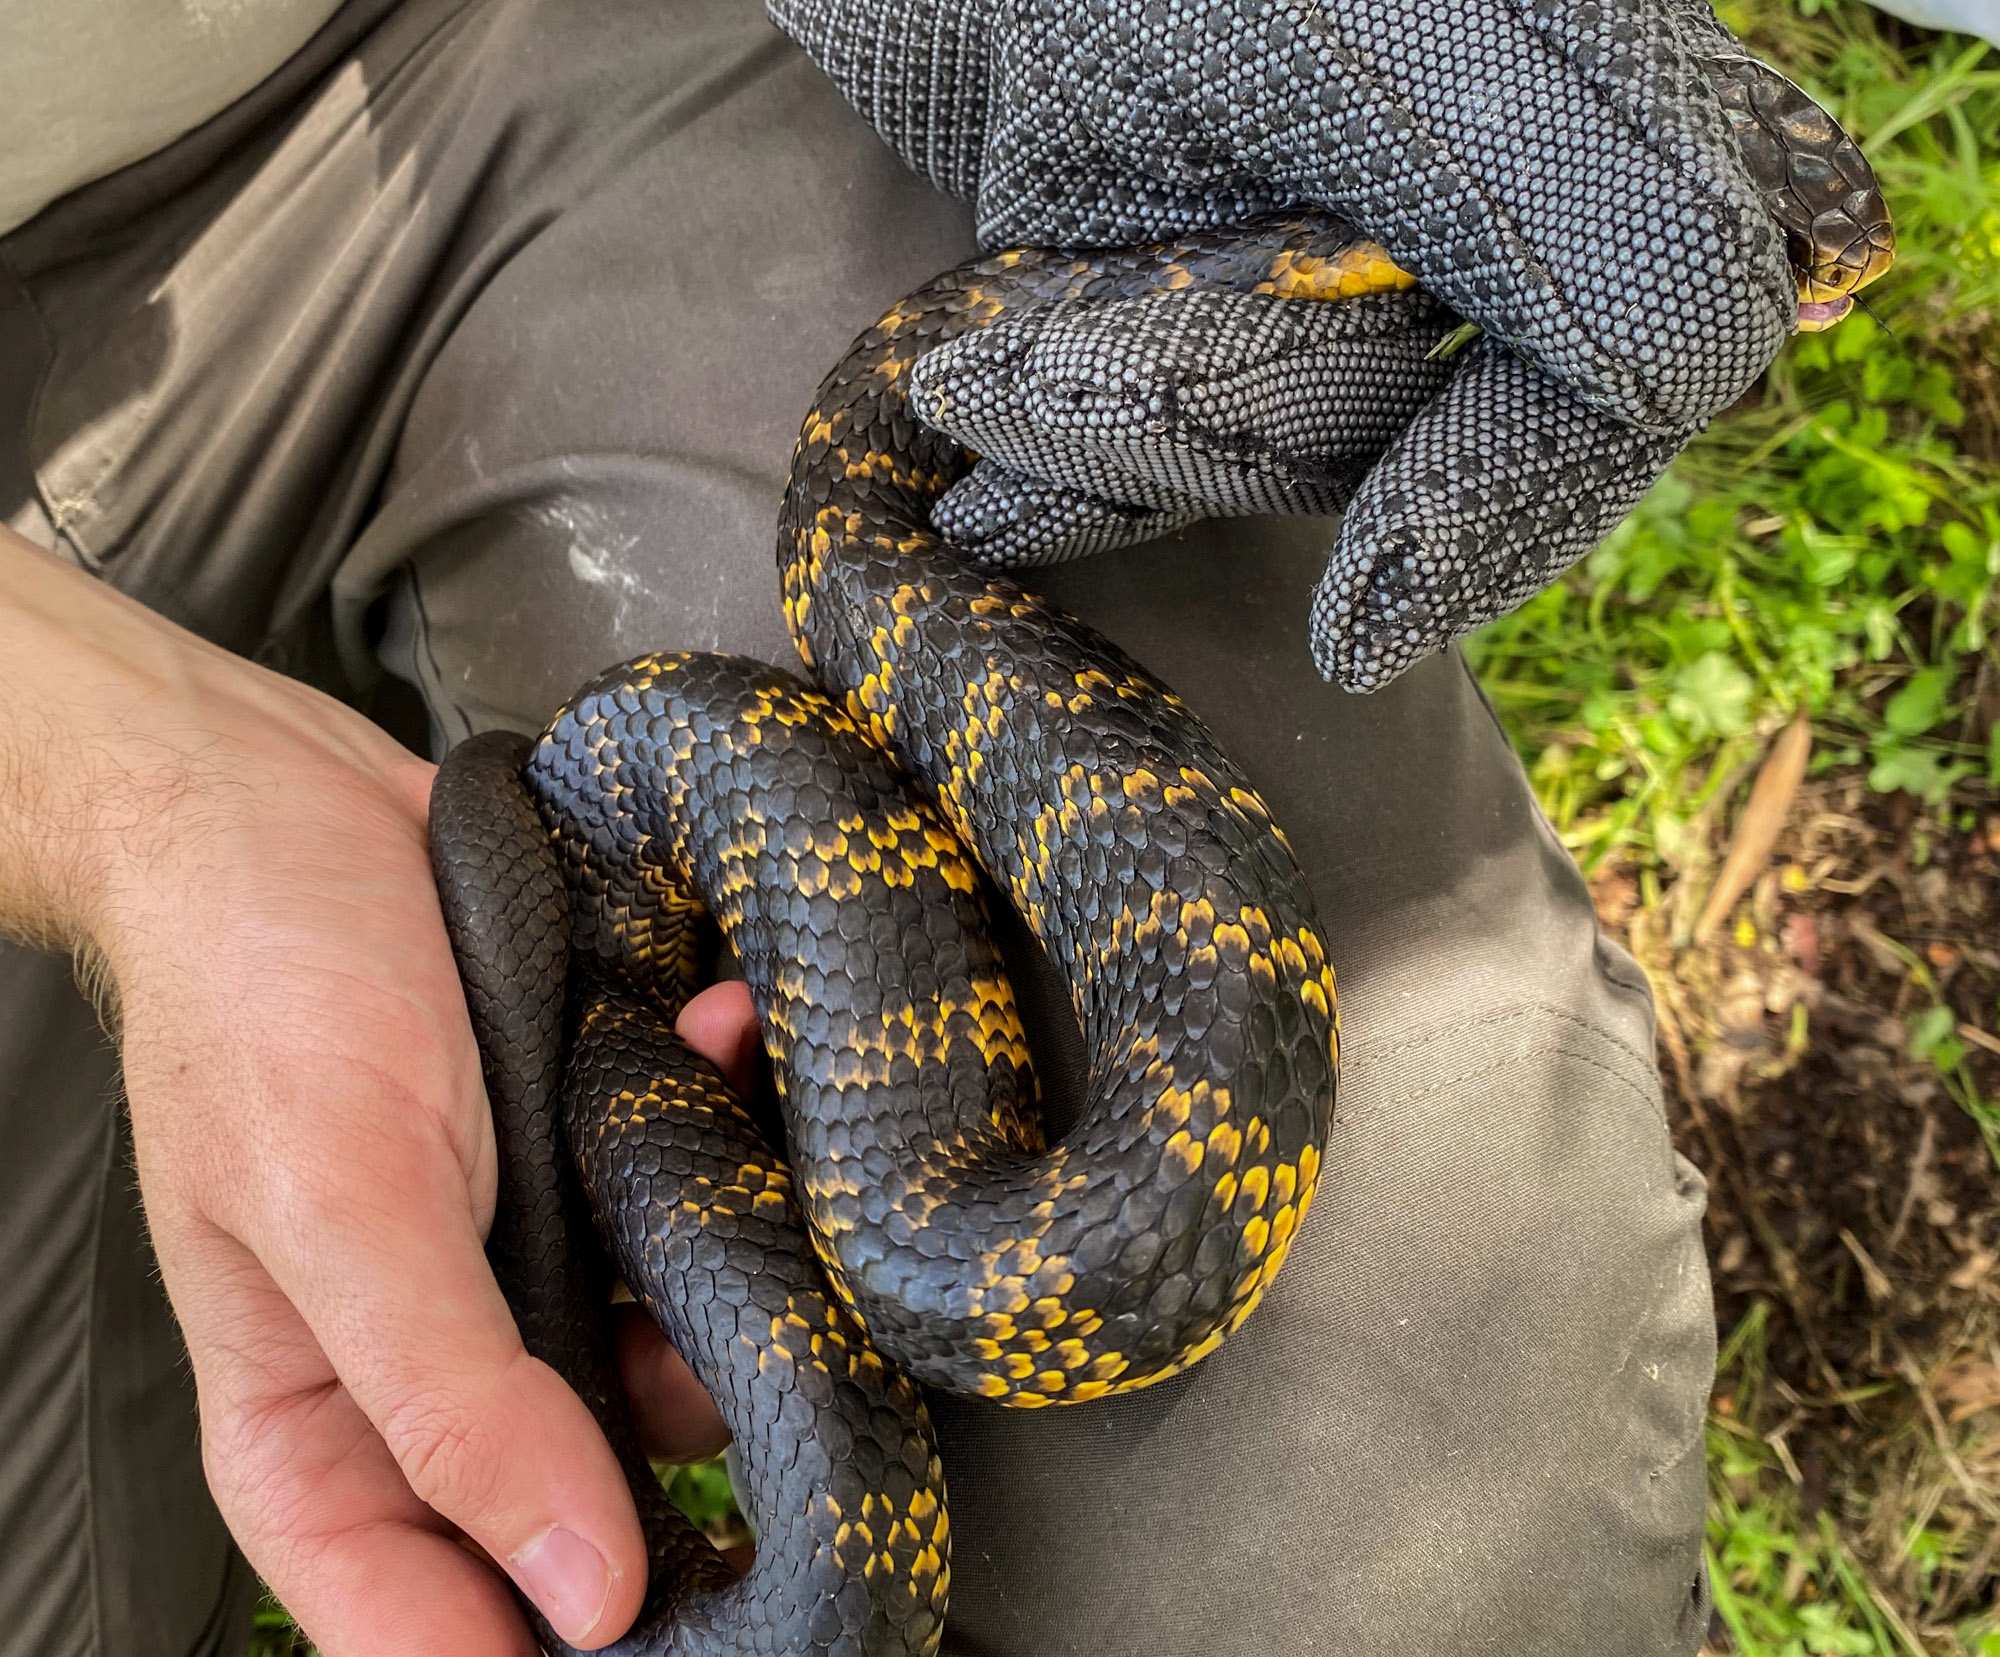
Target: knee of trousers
[1468,1416]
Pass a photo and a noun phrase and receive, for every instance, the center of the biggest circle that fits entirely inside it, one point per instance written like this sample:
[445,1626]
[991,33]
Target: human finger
[384,1263]
[308,1488]
[720,1024]
[676,1419]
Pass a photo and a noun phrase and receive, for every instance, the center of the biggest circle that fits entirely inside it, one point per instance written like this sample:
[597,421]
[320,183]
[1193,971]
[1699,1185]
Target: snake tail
[855,1554]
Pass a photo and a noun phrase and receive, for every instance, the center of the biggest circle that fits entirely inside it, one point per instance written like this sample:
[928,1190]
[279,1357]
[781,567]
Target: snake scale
[957,735]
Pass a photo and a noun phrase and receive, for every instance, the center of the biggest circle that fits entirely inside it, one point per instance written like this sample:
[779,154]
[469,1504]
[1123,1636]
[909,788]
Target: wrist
[83,670]
[136,761]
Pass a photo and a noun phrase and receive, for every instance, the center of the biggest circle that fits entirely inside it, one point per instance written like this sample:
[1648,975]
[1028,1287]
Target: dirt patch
[1829,1054]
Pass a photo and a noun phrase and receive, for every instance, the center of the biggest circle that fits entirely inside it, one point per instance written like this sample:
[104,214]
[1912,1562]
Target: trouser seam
[1507,1014]
[93,1554]
[31,415]
[1549,1049]
[430,685]
[1638,984]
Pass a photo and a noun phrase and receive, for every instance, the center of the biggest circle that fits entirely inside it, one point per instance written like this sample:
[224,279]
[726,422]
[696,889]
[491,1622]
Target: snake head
[1816,183]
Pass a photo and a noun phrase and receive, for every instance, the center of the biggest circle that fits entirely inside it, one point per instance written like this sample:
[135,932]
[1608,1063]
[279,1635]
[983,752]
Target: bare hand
[317,1164]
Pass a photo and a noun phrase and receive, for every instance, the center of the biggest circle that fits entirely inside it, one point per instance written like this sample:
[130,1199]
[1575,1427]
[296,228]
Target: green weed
[1833,545]
[274,1634]
[1791,1583]
[702,1492]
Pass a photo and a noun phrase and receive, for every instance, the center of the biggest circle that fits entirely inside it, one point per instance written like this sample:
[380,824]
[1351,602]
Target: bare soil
[1854,1202]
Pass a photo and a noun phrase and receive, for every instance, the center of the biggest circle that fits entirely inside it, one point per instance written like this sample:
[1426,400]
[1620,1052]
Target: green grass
[1832,547]
[1792,1585]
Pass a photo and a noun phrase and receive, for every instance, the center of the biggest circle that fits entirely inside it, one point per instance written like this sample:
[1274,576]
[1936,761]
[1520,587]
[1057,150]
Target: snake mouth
[1818,314]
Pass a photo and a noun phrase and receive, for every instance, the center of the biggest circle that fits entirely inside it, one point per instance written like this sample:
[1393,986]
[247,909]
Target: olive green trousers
[464,357]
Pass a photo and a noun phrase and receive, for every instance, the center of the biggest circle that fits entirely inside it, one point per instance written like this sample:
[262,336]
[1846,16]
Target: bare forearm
[121,734]
[82,668]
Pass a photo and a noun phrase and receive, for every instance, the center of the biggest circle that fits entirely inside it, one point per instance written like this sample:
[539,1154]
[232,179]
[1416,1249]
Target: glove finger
[1495,489]
[1560,173]
[1000,519]
[1216,403]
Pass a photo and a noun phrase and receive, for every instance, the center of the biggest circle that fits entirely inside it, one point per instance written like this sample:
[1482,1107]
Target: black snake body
[953,1241]
[843,834]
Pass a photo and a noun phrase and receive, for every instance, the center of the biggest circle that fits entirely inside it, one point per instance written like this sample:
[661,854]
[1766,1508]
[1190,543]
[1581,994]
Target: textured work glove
[1559,171]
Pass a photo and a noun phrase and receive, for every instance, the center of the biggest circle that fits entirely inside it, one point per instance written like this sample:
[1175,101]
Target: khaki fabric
[89,86]
[465,357]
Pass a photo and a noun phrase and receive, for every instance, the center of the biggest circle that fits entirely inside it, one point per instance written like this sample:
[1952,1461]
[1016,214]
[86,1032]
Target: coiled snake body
[842,833]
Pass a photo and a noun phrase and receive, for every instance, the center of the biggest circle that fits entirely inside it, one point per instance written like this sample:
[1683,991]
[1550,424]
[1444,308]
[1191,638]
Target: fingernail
[567,1578]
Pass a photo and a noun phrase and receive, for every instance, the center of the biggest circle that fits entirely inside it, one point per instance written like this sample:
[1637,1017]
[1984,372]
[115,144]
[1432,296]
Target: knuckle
[447,1455]
[247,1460]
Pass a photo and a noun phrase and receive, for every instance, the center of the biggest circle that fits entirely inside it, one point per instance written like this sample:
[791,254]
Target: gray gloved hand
[1559,171]
[1100,423]
[1469,484]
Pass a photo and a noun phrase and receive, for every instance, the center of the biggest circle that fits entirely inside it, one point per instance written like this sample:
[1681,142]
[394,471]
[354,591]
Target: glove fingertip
[1383,604]
[960,385]
[978,513]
